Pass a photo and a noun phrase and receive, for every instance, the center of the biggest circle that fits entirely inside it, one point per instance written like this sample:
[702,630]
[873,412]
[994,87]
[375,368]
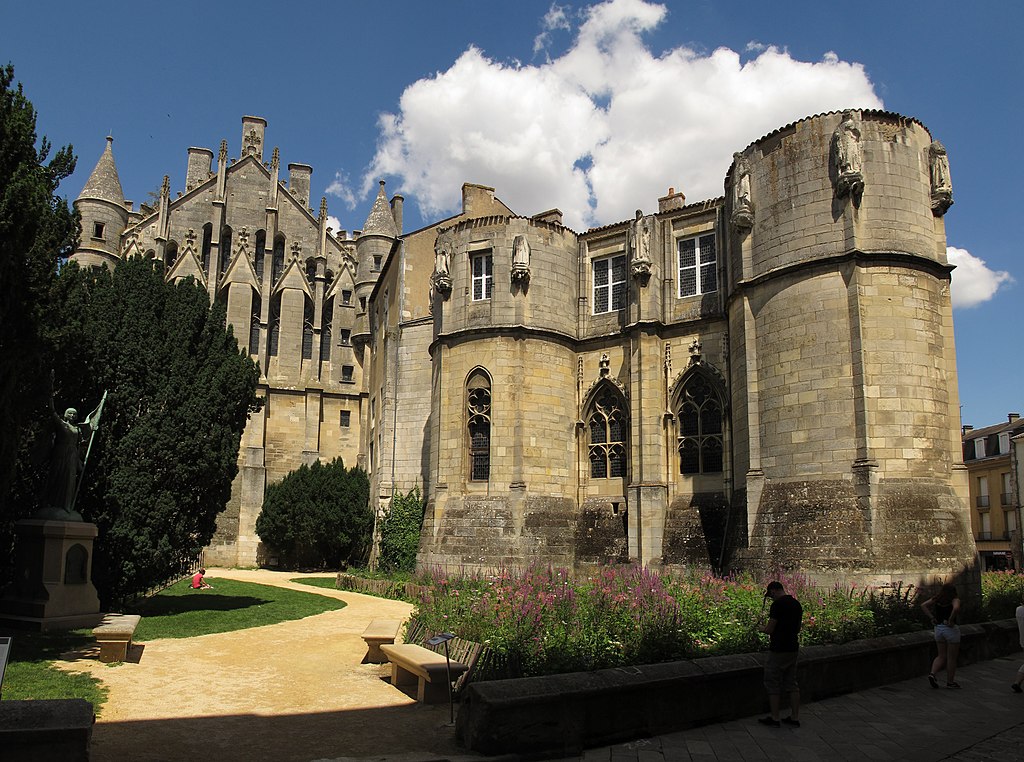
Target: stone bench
[114,634]
[411,663]
[379,632]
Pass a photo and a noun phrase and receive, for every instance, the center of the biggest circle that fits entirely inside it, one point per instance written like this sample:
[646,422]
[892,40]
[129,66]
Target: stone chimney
[472,195]
[298,182]
[396,211]
[1013,417]
[551,215]
[671,201]
[253,128]
[966,429]
[200,163]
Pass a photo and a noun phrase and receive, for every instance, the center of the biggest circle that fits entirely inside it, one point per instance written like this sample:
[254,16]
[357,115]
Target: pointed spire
[381,220]
[323,208]
[104,183]
[275,160]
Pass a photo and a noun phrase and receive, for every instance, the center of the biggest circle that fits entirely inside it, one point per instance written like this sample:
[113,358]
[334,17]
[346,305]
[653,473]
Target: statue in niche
[67,462]
[742,208]
[640,246]
[942,185]
[846,157]
[520,259]
[441,278]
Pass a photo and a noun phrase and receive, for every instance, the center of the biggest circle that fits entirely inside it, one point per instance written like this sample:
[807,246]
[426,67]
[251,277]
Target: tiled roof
[104,183]
[381,221]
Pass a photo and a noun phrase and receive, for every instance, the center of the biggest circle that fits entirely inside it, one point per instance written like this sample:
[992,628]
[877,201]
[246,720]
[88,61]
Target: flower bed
[546,622]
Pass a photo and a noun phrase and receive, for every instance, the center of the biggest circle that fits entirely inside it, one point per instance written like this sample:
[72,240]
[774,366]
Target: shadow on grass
[45,646]
[200,601]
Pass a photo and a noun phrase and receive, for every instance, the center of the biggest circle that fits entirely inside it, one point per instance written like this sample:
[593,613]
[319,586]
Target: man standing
[783,628]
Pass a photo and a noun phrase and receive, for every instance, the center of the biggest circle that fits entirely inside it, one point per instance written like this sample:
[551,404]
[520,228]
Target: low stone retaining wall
[564,714]
[55,730]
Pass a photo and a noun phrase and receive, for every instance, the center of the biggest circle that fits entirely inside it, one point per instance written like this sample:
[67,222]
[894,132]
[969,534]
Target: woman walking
[943,610]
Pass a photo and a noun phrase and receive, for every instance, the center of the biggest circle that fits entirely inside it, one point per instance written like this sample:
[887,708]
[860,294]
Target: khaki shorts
[780,672]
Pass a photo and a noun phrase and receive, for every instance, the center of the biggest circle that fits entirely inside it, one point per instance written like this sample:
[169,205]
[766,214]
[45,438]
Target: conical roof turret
[381,221]
[103,183]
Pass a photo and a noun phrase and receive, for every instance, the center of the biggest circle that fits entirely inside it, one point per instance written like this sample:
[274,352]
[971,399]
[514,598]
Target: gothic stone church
[762,380]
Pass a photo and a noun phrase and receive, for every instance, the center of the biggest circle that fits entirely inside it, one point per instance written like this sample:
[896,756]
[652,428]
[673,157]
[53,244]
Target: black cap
[776,585]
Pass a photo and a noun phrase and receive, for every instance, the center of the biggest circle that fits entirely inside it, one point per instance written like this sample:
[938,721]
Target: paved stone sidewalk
[983,720]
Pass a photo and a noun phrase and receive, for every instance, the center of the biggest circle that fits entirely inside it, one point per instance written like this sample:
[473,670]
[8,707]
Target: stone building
[295,293]
[994,494]
[765,379]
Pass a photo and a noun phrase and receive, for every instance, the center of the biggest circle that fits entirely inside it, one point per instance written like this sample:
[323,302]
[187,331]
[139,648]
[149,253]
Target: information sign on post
[437,640]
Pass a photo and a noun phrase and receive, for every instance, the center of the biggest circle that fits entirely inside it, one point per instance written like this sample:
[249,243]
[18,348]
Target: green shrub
[1001,593]
[318,516]
[400,533]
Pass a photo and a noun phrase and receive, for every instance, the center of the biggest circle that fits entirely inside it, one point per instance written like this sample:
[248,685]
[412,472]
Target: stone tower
[843,385]
[104,213]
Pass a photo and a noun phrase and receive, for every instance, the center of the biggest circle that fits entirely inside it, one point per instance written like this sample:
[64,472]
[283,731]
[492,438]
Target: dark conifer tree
[179,394]
[318,516]
[37,229]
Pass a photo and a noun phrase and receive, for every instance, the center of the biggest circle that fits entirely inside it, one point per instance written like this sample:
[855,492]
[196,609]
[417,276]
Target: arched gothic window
[608,423]
[326,320]
[261,247]
[277,268]
[254,325]
[225,248]
[274,329]
[170,255]
[207,243]
[700,428]
[478,412]
[307,332]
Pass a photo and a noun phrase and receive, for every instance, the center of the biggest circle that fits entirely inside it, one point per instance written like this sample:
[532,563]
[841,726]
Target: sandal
[953,685]
[933,681]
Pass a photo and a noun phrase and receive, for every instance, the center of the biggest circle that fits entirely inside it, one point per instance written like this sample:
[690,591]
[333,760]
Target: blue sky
[596,108]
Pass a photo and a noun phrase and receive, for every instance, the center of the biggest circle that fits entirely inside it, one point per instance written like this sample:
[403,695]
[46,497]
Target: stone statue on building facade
[942,185]
[847,159]
[640,247]
[441,278]
[742,208]
[520,260]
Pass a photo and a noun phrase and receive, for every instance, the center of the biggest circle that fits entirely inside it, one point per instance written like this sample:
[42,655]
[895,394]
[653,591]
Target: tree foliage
[318,516]
[179,394]
[400,532]
[37,229]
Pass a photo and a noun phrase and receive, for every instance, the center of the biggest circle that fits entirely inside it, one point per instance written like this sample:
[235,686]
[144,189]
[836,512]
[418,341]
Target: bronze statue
[67,462]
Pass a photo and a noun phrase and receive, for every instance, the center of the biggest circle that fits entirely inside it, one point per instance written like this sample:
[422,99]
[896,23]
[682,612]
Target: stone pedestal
[53,589]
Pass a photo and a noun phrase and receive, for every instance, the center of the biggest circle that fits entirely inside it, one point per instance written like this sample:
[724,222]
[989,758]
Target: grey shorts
[780,672]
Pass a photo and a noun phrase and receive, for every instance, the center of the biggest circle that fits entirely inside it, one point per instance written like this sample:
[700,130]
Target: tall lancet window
[700,428]
[478,411]
[608,436]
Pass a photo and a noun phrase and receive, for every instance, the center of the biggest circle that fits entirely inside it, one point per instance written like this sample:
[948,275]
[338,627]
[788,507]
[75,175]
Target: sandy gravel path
[289,691]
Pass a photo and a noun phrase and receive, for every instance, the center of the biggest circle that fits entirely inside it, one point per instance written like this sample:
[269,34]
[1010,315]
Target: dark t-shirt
[787,613]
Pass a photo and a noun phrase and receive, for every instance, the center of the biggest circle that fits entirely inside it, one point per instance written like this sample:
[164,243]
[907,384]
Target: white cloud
[333,223]
[973,281]
[341,187]
[556,19]
[604,128]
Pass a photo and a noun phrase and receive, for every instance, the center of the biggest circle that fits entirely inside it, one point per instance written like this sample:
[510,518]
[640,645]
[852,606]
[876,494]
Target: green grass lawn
[181,612]
[31,674]
[328,582]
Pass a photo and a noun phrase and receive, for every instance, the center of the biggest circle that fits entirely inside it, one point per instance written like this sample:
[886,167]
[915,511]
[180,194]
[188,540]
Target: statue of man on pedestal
[67,462]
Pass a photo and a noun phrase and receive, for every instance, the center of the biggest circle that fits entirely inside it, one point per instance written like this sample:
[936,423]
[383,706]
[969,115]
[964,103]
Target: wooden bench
[5,652]
[114,634]
[411,663]
[379,632]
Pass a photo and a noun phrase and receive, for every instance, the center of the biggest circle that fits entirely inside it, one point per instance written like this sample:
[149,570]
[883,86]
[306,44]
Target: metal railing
[1004,499]
[984,535]
[982,501]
